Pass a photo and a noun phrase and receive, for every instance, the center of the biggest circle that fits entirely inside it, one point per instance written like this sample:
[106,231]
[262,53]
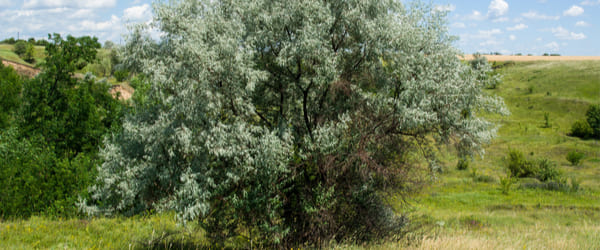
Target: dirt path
[535,58]
[22,69]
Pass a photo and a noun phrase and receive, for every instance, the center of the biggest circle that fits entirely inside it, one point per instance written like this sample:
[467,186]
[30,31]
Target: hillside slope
[467,208]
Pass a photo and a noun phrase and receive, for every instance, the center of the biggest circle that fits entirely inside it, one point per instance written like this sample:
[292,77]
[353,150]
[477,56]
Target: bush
[506,183]
[28,56]
[121,75]
[575,158]
[20,48]
[542,169]
[34,181]
[462,164]
[10,92]
[593,119]
[519,166]
[581,129]
[590,127]
[547,170]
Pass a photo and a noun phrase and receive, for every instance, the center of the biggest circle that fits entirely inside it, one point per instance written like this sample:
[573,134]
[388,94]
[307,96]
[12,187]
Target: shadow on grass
[173,240]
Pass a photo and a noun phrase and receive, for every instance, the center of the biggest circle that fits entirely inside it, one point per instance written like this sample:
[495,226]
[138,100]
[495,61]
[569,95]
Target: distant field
[6,52]
[501,58]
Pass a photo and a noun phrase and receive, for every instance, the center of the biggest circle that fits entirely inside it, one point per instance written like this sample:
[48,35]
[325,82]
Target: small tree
[20,48]
[71,114]
[28,56]
[593,119]
[590,127]
[292,121]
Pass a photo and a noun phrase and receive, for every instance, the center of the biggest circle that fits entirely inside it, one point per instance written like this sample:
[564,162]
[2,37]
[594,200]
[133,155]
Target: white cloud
[501,20]
[542,1]
[497,8]
[512,37]
[88,25]
[517,27]
[458,25]
[573,11]
[444,8]
[537,16]
[553,46]
[539,39]
[590,3]
[137,13]
[95,4]
[564,34]
[476,15]
[582,24]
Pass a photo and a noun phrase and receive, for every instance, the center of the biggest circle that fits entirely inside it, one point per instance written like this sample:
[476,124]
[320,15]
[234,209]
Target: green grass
[140,232]
[6,52]
[562,219]
[461,209]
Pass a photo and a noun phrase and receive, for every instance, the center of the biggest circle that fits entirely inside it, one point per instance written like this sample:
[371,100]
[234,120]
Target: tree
[20,48]
[71,114]
[290,122]
[28,56]
[592,116]
[11,86]
[109,45]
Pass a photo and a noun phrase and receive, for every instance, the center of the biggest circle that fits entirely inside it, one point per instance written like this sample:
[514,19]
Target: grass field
[6,52]
[461,209]
[468,209]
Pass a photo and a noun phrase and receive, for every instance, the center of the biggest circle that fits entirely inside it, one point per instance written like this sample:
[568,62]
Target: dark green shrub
[547,170]
[463,164]
[543,169]
[590,127]
[593,119]
[10,91]
[33,180]
[20,48]
[519,166]
[581,129]
[121,75]
[575,158]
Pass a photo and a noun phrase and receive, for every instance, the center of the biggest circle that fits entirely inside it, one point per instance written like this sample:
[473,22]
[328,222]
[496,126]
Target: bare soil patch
[502,58]
[22,69]
[124,92]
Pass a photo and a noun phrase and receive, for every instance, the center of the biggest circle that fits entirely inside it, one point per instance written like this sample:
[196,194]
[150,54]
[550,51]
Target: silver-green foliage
[289,120]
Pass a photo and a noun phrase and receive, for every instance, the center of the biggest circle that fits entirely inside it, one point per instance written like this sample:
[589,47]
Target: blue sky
[505,26]
[525,26]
